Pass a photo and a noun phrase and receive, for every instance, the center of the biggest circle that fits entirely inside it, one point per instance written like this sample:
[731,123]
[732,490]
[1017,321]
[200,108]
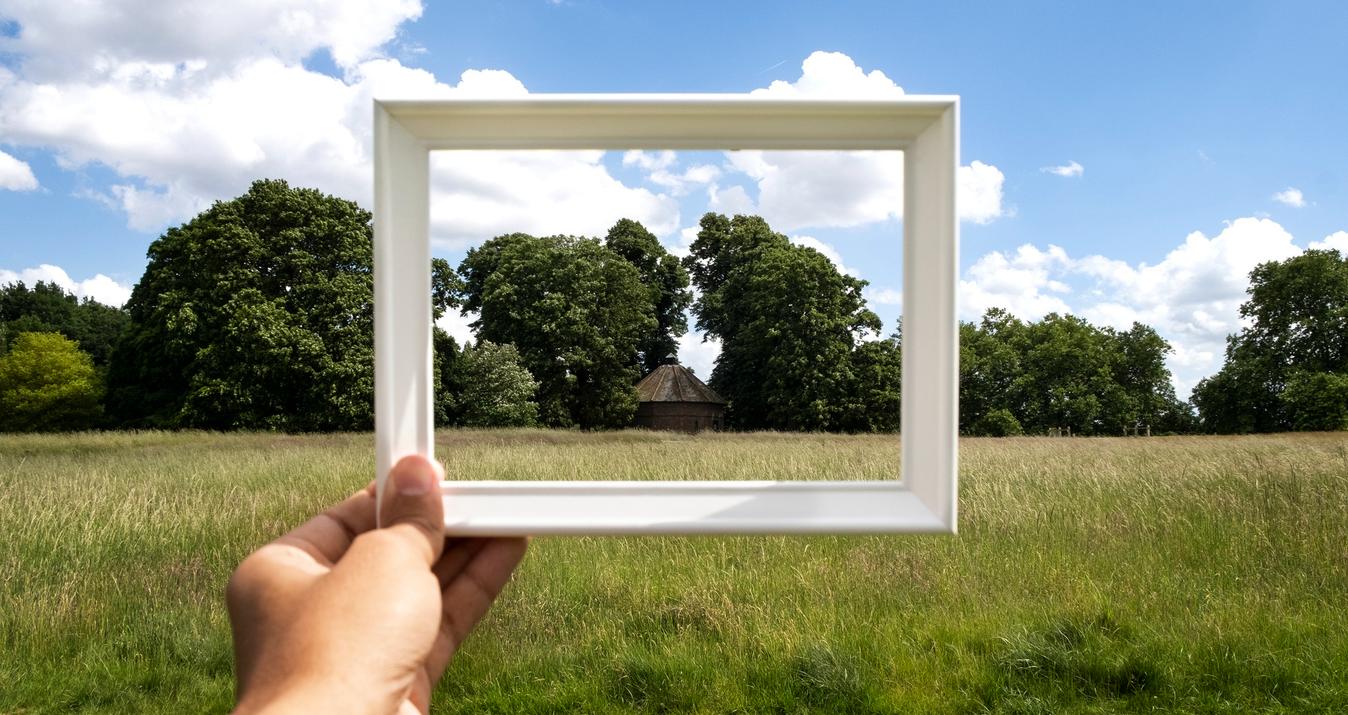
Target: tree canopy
[255,314]
[494,388]
[576,311]
[48,384]
[789,324]
[1285,369]
[667,281]
[1062,372]
[47,307]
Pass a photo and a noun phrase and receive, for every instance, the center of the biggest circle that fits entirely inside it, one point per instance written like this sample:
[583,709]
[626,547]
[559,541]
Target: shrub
[47,385]
[495,388]
[997,423]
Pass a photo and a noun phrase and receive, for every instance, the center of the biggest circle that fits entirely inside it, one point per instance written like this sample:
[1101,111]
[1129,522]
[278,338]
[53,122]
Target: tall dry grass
[1199,574]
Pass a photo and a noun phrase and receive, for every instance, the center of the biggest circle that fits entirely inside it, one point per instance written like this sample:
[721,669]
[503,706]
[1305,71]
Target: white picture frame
[924,128]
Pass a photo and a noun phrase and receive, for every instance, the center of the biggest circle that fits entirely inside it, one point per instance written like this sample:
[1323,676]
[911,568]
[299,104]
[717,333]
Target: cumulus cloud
[1337,241]
[16,175]
[1290,197]
[828,251]
[1021,283]
[459,326]
[813,189]
[106,37]
[980,192]
[883,296]
[1069,169]
[1192,296]
[100,288]
[832,74]
[699,353]
[660,170]
[189,116]
[730,201]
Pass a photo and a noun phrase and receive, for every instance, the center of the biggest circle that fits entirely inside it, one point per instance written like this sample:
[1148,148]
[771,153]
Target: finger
[327,536]
[458,552]
[469,595]
[413,508]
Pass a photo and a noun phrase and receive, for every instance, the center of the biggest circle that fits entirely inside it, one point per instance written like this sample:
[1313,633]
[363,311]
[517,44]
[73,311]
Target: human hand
[338,616]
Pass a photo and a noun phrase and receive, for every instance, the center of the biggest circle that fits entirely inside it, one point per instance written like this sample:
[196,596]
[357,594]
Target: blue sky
[1188,145]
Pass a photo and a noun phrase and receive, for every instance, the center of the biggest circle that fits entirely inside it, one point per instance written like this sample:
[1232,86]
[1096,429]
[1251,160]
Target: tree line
[258,314]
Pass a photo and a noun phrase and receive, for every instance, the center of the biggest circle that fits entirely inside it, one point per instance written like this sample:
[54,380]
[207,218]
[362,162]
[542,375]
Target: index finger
[327,536]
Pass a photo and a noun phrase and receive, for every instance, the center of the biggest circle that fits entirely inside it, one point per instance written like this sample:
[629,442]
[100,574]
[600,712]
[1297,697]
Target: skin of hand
[339,616]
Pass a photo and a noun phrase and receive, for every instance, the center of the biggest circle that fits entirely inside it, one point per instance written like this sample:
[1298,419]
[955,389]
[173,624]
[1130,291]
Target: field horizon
[1103,574]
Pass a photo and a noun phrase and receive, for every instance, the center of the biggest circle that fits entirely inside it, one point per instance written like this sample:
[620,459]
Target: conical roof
[675,383]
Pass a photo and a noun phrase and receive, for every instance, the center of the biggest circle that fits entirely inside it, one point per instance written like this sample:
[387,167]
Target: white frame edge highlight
[925,128]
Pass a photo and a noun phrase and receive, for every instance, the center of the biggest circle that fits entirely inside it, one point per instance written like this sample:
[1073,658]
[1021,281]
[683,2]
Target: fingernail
[414,480]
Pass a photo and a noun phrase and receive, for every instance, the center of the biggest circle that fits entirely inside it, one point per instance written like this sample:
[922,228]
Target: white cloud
[650,161]
[980,192]
[1069,169]
[731,201]
[805,189]
[458,325]
[697,354]
[101,38]
[16,175]
[1192,297]
[883,296]
[100,288]
[1337,241]
[1021,283]
[1290,197]
[659,168]
[832,74]
[477,195]
[195,117]
[828,251]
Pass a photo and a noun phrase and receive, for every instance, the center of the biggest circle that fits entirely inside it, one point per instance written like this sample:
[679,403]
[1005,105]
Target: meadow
[1188,574]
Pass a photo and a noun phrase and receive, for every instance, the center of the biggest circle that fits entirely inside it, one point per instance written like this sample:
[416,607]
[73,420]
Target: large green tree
[1297,338]
[47,307]
[1063,372]
[667,281]
[576,311]
[256,314]
[48,384]
[788,322]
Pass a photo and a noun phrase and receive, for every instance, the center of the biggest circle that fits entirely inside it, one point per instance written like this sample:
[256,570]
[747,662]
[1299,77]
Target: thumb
[412,505]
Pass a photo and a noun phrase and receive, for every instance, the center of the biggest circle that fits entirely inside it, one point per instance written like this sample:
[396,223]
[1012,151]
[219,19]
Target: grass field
[1090,575]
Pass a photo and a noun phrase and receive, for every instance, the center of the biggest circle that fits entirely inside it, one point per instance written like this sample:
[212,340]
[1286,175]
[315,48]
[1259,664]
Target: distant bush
[496,390]
[997,423]
[48,385]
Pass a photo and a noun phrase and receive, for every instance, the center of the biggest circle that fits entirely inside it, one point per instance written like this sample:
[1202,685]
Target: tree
[1317,400]
[256,314]
[47,307]
[1064,372]
[872,403]
[445,367]
[575,310]
[667,281]
[47,384]
[496,390]
[990,355]
[1298,328]
[788,322]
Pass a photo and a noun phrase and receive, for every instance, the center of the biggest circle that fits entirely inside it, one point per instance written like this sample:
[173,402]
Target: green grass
[1090,575]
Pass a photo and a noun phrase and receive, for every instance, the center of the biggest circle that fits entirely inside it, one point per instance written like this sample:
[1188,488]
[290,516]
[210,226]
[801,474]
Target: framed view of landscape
[921,497]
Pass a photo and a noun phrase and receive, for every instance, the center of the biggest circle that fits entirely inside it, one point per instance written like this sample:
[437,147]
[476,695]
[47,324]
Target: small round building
[672,398]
